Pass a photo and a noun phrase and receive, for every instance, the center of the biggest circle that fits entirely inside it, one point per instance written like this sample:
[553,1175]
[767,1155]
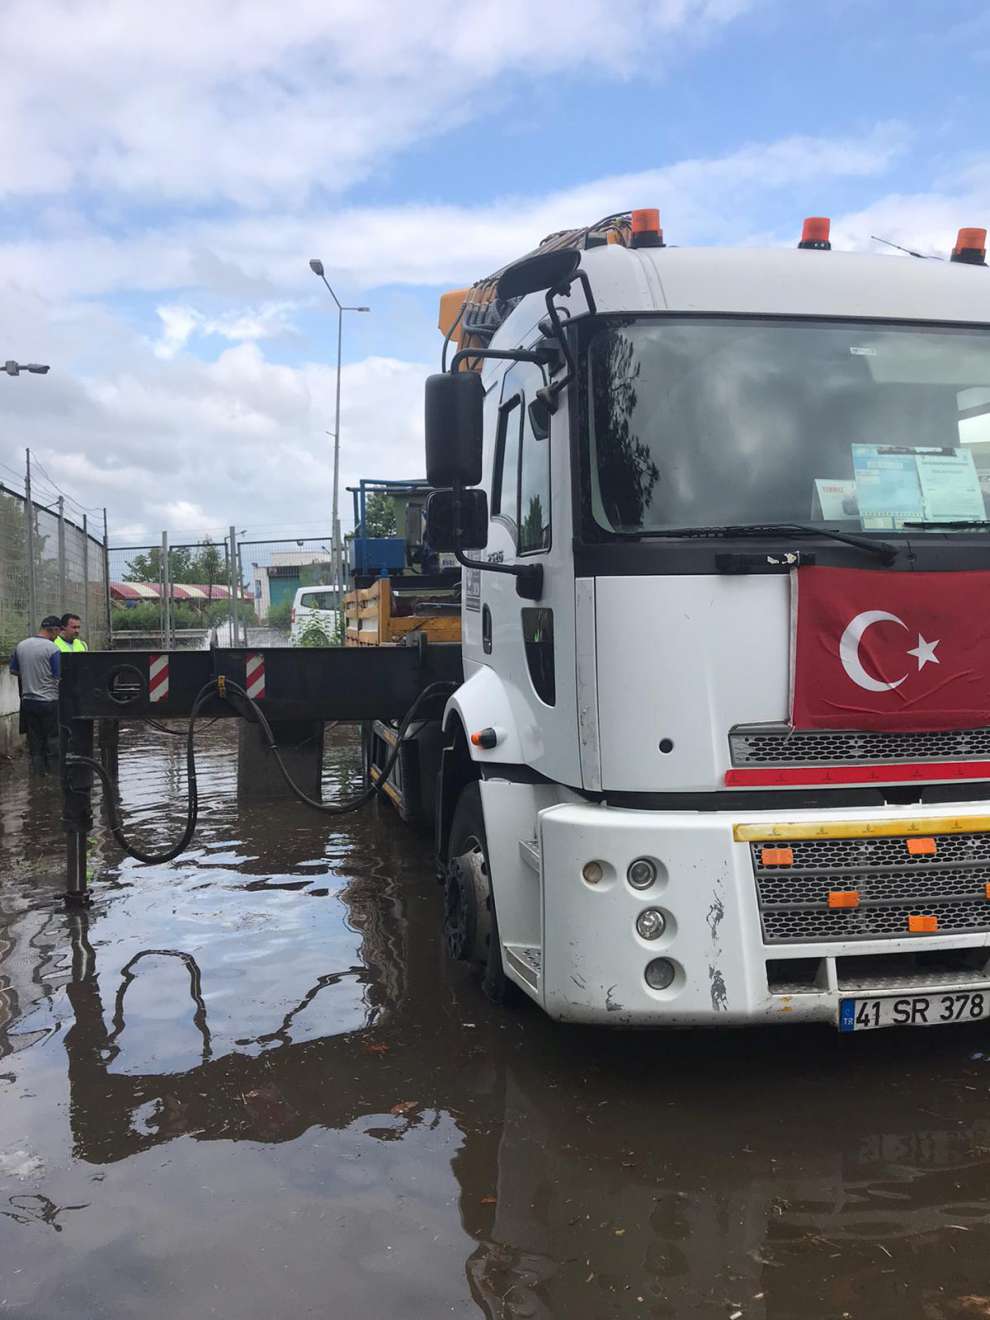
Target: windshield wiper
[960,525]
[882,549]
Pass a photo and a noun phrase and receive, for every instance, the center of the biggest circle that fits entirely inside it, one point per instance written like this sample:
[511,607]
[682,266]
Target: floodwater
[247,1084]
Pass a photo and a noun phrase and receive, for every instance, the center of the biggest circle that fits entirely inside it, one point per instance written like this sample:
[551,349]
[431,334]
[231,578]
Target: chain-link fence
[49,564]
[274,574]
[228,592]
[185,595]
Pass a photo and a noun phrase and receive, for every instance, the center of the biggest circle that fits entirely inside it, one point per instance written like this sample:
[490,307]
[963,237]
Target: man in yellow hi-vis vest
[68,638]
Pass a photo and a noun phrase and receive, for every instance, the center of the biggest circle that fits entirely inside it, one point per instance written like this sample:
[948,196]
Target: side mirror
[542,270]
[454,420]
[457,520]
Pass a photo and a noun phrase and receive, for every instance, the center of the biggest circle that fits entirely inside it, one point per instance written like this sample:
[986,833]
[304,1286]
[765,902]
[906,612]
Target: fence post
[61,554]
[85,598]
[106,580]
[243,632]
[166,588]
[231,571]
[29,540]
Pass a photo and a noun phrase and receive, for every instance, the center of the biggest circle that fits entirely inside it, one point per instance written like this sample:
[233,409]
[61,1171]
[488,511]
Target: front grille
[892,884]
[776,744]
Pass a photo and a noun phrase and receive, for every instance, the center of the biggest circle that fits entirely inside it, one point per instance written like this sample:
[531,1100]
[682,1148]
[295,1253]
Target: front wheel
[470,925]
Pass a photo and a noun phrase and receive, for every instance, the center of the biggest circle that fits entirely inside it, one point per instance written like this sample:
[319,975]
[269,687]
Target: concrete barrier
[10,740]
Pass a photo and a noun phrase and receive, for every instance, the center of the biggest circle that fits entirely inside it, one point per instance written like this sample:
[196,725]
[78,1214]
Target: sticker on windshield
[900,484]
[861,350]
[888,488]
[834,501]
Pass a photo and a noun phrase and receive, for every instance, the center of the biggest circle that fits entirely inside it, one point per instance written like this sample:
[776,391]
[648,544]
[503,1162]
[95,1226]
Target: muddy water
[247,1084]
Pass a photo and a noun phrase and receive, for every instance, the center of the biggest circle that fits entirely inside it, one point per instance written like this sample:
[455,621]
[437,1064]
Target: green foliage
[379,515]
[147,617]
[208,564]
[280,616]
[316,633]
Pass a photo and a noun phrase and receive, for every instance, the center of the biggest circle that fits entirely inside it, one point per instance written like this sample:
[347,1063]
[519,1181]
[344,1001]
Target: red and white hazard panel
[255,684]
[157,677]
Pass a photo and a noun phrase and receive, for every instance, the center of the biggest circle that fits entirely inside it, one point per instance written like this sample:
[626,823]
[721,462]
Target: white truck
[629,829]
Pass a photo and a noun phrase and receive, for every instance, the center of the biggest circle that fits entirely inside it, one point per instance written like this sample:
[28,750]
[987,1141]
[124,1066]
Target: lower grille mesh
[950,884]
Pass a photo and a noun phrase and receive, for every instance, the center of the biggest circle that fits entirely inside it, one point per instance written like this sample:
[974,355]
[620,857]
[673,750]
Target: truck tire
[470,925]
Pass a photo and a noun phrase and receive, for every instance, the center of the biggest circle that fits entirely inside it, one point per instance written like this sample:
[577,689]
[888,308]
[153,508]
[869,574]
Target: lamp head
[316,266]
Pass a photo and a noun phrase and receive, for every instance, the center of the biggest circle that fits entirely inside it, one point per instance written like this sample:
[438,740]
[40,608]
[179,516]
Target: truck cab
[631,829]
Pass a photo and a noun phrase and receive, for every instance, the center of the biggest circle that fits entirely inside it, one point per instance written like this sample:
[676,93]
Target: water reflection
[311,1052]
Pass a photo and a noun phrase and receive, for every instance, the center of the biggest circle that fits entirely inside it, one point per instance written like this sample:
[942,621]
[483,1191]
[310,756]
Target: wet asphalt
[248,1084]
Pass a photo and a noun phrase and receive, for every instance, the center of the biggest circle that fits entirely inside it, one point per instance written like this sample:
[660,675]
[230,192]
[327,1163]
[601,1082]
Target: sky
[167,172]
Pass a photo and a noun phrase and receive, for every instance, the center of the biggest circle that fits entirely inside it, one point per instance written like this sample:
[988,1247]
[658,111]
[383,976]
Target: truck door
[530,642]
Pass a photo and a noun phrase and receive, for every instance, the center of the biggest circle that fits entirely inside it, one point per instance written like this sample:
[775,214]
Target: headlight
[659,973]
[651,924]
[642,873]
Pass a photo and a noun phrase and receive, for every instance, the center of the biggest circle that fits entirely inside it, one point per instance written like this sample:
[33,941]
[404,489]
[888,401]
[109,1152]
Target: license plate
[913,1010]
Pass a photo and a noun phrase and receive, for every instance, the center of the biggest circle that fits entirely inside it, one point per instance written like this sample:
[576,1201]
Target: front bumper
[593,960]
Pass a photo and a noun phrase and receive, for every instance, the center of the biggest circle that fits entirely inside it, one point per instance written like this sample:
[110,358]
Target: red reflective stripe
[766,777]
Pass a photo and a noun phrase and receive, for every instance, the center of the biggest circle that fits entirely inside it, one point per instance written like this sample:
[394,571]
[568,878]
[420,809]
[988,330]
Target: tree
[379,515]
[208,565]
[627,473]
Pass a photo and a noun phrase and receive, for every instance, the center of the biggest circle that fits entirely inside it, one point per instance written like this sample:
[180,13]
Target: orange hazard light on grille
[922,847]
[776,856]
[919,925]
[843,898]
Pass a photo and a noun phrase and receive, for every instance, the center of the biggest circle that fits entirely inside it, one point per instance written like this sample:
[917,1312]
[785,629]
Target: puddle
[248,1084]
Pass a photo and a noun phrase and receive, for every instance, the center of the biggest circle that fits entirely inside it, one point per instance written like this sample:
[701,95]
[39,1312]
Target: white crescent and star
[852,638]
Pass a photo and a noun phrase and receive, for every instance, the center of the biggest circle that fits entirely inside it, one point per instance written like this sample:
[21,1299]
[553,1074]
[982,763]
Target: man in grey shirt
[36,665]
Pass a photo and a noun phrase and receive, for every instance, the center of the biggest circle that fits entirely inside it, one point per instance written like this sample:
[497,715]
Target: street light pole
[337,558]
[13,368]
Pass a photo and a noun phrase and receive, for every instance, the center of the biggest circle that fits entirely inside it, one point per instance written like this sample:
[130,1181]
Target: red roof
[179,591]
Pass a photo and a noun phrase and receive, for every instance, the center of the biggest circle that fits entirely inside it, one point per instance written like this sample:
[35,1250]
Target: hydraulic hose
[192,806]
[192,797]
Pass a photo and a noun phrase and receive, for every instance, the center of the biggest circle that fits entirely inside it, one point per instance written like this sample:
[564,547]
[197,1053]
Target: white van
[313,605]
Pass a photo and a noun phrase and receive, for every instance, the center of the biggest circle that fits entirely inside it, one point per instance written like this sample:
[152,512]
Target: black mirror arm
[542,357]
[549,393]
[529,577]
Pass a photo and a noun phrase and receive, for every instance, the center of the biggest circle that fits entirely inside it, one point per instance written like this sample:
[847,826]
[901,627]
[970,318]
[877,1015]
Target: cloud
[243,101]
[190,446]
[180,323]
[437,244]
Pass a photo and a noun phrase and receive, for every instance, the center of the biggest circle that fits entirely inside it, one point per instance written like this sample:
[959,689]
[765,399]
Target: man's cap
[51,621]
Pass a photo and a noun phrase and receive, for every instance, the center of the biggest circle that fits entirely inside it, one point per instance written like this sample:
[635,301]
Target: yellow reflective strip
[860,829]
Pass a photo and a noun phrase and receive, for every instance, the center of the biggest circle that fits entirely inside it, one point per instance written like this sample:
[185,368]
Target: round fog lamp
[651,924]
[659,973]
[642,873]
[592,872]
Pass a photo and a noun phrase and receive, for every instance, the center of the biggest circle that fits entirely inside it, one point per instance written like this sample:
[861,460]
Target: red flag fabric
[896,652]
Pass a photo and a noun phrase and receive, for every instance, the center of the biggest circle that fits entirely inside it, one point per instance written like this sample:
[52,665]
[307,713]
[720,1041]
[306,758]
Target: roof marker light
[646,231]
[815,233]
[971,247]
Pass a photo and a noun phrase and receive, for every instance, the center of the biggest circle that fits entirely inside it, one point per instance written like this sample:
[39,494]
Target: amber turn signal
[922,847]
[776,856]
[843,898]
[922,925]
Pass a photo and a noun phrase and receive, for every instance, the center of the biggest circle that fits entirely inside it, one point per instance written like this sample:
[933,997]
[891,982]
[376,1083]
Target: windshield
[701,423]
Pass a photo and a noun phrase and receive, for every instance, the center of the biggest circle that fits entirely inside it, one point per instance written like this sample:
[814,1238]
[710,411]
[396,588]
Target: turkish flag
[900,652]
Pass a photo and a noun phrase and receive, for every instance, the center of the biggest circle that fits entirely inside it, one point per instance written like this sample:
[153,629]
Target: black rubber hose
[192,809]
[378,786]
[192,803]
